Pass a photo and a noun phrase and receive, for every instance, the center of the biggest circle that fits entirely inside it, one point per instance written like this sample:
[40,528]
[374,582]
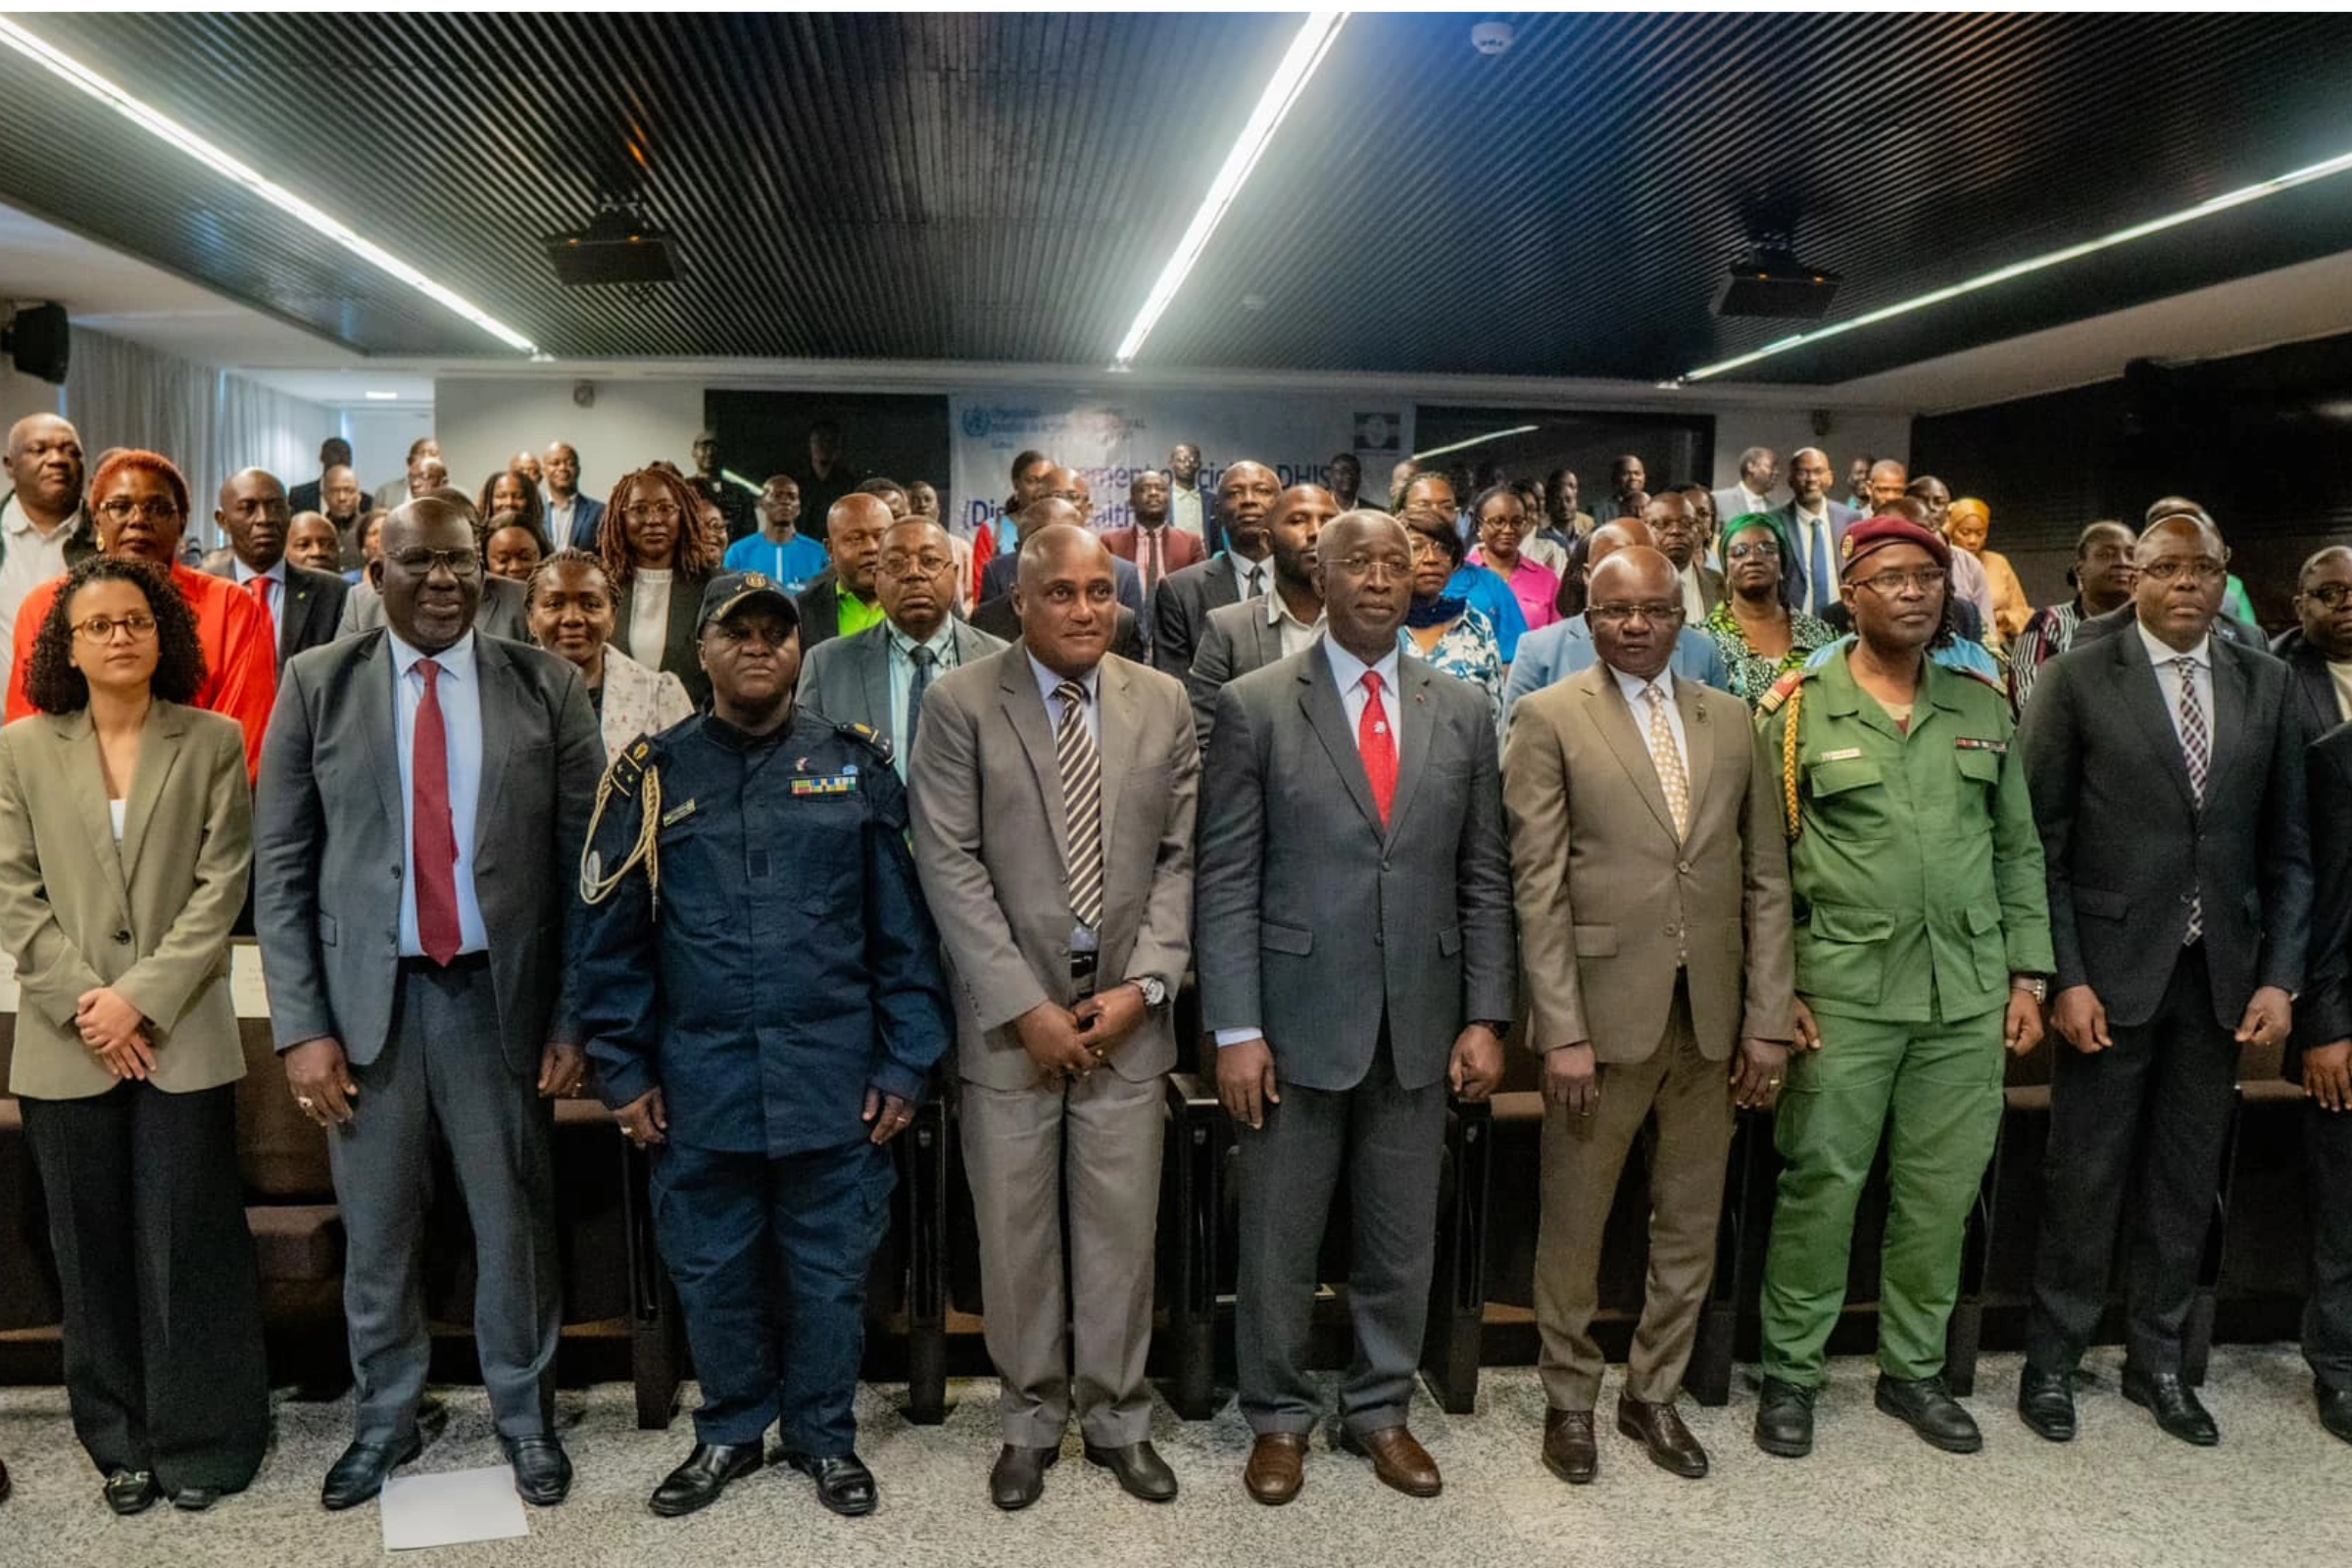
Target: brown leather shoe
[1568,1450]
[1398,1460]
[1662,1436]
[1277,1467]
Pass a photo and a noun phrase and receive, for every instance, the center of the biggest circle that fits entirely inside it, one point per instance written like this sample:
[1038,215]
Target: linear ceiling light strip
[1298,62]
[2155,226]
[204,152]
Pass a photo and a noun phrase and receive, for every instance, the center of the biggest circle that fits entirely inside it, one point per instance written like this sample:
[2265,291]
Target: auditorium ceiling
[1006,189]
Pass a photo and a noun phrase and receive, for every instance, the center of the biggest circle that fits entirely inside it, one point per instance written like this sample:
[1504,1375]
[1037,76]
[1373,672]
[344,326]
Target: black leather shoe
[2173,1403]
[1659,1429]
[6,1485]
[1018,1477]
[843,1483]
[130,1491]
[1784,1419]
[1568,1450]
[542,1470]
[1926,1407]
[194,1499]
[2045,1403]
[1142,1472]
[359,1474]
[2335,1414]
[697,1484]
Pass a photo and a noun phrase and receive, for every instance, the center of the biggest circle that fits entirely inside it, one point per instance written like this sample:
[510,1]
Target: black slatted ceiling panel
[1008,186]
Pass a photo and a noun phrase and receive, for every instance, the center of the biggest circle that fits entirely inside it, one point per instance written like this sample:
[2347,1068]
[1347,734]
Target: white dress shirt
[1818,595]
[558,519]
[649,615]
[2168,681]
[1187,509]
[1297,635]
[33,558]
[461,692]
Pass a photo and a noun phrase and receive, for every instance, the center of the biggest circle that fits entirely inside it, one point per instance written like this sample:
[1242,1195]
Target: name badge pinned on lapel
[1843,753]
[1970,743]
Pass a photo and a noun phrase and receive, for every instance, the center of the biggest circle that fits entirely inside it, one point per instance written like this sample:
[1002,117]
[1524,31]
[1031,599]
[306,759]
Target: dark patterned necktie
[2196,751]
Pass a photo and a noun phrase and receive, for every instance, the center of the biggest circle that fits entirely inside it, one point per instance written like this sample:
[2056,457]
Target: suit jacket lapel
[1269,640]
[2225,718]
[1116,748]
[1412,723]
[1620,732]
[500,698]
[381,711]
[291,620]
[1698,745]
[685,607]
[159,752]
[2136,681]
[77,747]
[1027,712]
[873,667]
[1319,696]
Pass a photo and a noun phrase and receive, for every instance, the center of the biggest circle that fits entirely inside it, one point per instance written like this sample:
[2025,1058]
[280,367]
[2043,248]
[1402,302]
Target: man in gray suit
[1240,638]
[419,786]
[1356,955]
[882,676]
[1052,789]
[1759,472]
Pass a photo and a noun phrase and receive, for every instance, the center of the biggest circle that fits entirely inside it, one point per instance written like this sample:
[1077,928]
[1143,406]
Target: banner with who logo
[1110,441]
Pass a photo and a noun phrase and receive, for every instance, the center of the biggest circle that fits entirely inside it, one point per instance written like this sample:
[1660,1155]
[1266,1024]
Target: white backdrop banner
[1108,441]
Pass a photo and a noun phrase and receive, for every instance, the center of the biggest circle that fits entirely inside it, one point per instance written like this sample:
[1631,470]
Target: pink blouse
[1536,588]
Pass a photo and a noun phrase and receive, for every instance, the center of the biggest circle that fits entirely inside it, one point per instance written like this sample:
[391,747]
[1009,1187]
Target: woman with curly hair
[125,838]
[659,553]
[508,491]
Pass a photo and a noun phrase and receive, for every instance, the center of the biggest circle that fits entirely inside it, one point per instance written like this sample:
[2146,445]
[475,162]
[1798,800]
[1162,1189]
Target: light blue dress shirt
[461,692]
[796,564]
[901,684]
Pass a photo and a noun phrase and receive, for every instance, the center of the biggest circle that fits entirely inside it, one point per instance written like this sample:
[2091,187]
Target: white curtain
[205,419]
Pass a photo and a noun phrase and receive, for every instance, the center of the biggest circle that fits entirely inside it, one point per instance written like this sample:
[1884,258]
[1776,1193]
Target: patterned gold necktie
[1667,756]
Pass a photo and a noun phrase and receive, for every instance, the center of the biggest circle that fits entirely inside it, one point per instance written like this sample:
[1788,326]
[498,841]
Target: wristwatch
[2032,985]
[1154,988]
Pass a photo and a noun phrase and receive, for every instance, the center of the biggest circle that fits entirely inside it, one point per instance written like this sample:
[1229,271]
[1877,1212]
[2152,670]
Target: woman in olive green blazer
[125,840]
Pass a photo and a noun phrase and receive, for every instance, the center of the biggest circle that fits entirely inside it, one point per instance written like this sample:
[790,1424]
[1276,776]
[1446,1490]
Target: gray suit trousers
[1391,1140]
[1095,1143]
[442,1077]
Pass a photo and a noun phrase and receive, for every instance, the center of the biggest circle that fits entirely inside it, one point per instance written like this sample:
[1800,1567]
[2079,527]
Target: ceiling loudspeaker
[39,342]
[1775,284]
[617,247]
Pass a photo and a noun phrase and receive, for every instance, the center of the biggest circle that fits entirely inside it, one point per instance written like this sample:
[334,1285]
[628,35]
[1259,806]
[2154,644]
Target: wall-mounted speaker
[38,342]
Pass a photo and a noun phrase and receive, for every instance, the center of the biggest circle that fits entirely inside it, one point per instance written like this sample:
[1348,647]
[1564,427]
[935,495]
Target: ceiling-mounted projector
[617,247]
[1776,283]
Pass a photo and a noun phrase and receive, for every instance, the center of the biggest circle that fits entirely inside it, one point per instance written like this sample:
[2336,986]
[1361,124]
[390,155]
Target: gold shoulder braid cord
[1790,751]
[595,886]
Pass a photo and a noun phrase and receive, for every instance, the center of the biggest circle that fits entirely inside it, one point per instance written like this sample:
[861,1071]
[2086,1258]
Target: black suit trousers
[2328,1312]
[164,1369]
[2144,1119]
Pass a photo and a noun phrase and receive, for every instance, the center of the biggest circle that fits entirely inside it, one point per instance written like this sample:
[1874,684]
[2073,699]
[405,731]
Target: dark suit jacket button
[1378,940]
[123,935]
[396,873]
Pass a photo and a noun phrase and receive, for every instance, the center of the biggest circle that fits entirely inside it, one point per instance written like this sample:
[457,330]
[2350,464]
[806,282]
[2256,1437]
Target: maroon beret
[1876,534]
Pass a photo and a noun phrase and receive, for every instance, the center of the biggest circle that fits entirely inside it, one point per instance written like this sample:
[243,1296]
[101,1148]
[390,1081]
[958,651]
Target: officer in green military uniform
[1922,941]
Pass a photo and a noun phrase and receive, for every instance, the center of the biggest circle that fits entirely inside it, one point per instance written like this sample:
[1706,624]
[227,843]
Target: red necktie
[258,587]
[1377,741]
[436,839]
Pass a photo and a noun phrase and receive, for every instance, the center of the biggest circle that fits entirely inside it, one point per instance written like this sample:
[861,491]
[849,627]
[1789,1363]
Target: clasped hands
[1070,1043]
[117,1033]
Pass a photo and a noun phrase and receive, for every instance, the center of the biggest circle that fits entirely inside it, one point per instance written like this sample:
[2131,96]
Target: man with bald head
[300,606]
[1237,570]
[881,676]
[1067,926]
[1353,937]
[844,599]
[1815,526]
[44,528]
[1657,952]
[424,788]
[1555,651]
[1065,499]
[2168,776]
[998,613]
[2318,649]
[1282,622]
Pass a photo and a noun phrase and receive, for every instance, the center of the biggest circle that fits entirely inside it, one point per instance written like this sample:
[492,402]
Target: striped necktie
[1081,803]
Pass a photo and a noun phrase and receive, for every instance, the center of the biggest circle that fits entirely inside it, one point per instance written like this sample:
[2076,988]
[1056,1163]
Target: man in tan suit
[1651,880]
[1052,789]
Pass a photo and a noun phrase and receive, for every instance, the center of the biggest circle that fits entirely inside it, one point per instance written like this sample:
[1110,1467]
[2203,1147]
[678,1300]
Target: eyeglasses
[155,509]
[2329,594]
[99,631]
[925,565]
[1617,613]
[659,512]
[1753,550]
[1887,584]
[423,562]
[2204,571]
[1366,566]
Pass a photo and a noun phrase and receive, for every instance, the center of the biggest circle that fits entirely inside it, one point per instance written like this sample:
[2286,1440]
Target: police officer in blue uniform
[764,1000]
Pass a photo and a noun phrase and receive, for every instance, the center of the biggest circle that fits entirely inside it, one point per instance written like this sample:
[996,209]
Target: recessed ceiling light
[2154,226]
[1298,63]
[204,152]
[383,396]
